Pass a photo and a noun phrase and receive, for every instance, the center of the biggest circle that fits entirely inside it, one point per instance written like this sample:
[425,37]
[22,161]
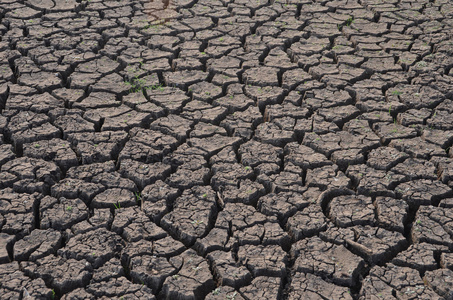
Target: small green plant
[216,291]
[396,93]
[136,84]
[134,87]
[155,87]
[418,222]
[117,205]
[155,26]
[53,294]
[247,168]
[175,277]
[232,296]
[138,197]
[197,222]
[349,21]
[69,208]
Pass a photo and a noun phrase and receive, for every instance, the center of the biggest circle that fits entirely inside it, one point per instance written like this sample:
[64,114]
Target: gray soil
[226,149]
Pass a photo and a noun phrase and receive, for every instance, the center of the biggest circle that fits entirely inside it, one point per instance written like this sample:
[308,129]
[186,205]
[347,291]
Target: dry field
[226,149]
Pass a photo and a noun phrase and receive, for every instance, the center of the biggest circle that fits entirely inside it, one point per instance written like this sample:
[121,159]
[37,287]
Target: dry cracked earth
[226,149]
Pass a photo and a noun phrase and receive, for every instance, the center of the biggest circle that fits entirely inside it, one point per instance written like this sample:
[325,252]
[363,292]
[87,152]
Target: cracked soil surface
[226,149]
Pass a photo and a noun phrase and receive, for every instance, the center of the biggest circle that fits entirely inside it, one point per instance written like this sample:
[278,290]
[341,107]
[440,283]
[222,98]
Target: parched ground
[226,149]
